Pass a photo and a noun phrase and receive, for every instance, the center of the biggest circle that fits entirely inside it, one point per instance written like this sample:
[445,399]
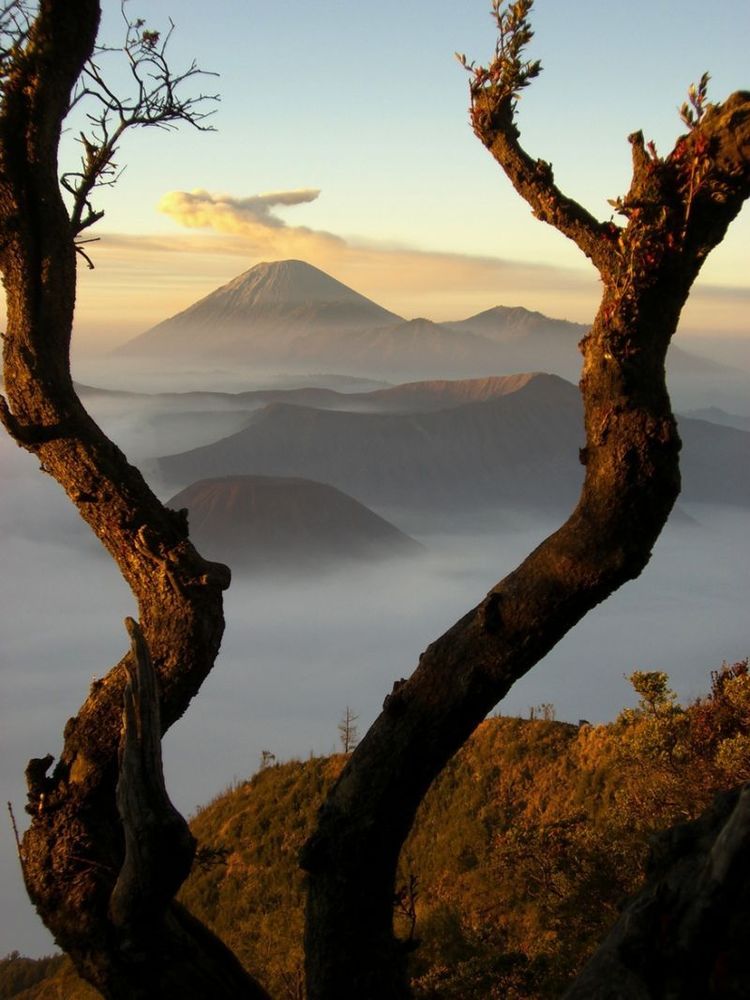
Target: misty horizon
[727,346]
[361,623]
[356,629]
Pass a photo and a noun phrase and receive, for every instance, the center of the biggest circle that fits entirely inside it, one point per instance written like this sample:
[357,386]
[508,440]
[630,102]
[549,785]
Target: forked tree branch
[495,90]
[159,847]
[160,940]
[678,209]
[157,100]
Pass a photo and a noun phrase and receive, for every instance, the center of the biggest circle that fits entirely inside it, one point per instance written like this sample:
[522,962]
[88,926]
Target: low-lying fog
[296,652]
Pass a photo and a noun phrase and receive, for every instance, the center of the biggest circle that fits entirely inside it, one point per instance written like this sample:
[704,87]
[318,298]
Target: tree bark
[631,483]
[685,934]
[74,850]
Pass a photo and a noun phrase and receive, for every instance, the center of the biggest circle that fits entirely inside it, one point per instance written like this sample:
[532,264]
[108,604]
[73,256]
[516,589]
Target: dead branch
[156,100]
[159,847]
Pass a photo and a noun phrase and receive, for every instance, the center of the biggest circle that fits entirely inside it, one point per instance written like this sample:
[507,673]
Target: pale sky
[366,104]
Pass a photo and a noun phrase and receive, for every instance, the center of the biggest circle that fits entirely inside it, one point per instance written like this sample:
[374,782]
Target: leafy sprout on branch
[693,110]
[155,99]
[508,73]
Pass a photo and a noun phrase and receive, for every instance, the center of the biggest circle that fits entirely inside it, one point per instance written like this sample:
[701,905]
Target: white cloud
[251,217]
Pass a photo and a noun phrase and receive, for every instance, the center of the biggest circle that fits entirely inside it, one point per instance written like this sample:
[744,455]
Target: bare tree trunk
[74,850]
[631,483]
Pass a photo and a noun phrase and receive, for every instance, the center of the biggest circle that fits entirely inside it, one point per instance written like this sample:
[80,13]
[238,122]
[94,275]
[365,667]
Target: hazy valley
[292,455]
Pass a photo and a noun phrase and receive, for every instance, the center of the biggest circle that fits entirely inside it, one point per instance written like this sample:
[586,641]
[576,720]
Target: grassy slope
[521,851]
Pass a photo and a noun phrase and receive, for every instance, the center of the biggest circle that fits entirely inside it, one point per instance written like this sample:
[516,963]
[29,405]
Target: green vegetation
[519,858]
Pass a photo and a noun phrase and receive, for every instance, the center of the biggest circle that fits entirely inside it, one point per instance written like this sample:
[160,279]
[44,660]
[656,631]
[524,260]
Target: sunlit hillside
[519,859]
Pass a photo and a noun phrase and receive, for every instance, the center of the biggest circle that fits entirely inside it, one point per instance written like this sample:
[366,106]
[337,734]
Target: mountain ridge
[515,448]
[505,324]
[293,316]
[512,448]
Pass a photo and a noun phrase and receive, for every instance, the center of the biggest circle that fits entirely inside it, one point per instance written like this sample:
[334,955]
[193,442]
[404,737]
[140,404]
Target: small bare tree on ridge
[348,736]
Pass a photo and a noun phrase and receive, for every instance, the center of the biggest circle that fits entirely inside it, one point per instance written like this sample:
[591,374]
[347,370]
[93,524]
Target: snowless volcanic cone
[259,315]
[273,522]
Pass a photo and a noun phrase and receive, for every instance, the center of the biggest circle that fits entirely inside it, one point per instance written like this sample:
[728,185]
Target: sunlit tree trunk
[678,208]
[73,853]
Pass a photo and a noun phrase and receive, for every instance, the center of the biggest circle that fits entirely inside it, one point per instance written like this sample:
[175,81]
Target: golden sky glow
[138,281]
[361,160]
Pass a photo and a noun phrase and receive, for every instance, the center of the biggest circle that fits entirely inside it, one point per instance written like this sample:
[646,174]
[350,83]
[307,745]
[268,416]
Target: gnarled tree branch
[632,480]
[74,848]
[494,93]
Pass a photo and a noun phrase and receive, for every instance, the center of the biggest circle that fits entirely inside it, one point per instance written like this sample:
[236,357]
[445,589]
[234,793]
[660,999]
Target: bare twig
[16,836]
[15,21]
[155,100]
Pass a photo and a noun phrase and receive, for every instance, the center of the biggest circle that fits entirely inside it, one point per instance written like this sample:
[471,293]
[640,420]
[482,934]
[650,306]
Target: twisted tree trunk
[678,209]
[74,850]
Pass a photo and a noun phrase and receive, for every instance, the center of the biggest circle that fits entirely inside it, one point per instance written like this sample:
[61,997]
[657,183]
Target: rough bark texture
[685,934]
[159,847]
[73,851]
[678,209]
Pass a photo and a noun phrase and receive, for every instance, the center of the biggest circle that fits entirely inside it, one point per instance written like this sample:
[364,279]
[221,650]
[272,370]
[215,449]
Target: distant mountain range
[715,415]
[293,316]
[440,443]
[437,394]
[440,446]
[513,449]
[267,524]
